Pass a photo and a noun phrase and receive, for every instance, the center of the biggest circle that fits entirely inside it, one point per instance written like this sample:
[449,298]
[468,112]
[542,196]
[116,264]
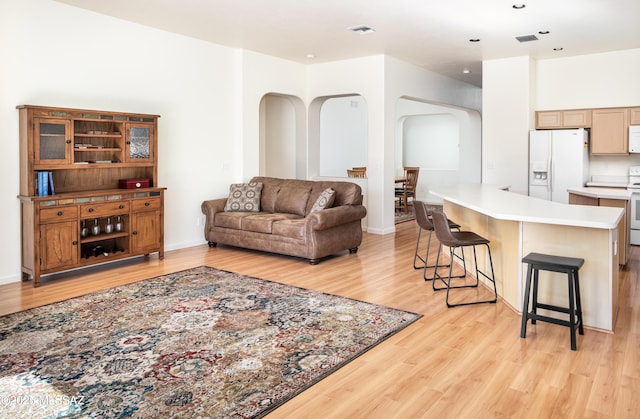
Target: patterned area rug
[197,343]
[402,217]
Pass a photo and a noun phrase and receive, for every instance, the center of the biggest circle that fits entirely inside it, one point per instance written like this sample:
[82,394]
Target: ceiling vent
[527,38]
[362,29]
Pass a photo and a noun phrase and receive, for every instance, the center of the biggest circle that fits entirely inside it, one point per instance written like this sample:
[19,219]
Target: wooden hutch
[87,216]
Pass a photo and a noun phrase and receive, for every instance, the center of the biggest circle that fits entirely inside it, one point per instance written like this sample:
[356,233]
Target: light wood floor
[453,363]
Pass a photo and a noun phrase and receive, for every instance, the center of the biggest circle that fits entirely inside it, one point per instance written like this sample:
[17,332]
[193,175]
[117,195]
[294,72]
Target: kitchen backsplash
[612,165]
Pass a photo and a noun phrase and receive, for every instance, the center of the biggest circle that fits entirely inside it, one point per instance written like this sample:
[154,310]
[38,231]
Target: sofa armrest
[214,205]
[335,216]
[209,209]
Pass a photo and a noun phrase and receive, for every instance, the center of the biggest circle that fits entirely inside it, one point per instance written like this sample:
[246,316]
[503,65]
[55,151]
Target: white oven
[635,216]
[634,187]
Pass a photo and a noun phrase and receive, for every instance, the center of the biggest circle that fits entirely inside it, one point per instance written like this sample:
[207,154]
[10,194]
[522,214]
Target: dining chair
[408,189]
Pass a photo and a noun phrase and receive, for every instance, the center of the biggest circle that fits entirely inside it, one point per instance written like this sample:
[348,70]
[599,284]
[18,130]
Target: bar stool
[424,222]
[540,262]
[454,240]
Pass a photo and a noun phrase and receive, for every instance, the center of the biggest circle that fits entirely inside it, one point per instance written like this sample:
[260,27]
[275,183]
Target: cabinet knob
[68,141]
[127,142]
[135,233]
[59,213]
[120,206]
[90,210]
[146,204]
[75,242]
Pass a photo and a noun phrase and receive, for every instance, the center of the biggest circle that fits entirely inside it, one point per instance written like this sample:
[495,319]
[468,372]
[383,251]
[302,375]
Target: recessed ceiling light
[543,32]
[466,71]
[311,56]
[558,49]
[519,6]
[474,40]
[362,29]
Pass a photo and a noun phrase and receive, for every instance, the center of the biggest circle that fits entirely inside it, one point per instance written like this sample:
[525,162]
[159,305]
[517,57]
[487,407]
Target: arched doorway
[283,141]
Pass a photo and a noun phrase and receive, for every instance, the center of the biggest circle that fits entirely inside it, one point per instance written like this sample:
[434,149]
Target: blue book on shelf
[45,183]
[40,189]
[50,181]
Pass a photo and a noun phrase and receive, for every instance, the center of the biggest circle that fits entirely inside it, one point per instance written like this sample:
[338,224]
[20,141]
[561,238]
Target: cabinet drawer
[50,215]
[104,209]
[145,204]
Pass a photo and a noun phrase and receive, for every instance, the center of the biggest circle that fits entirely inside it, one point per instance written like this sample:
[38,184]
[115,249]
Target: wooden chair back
[411,176]
[357,172]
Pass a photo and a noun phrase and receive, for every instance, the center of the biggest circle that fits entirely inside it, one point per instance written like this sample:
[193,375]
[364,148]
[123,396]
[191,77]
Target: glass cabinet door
[140,143]
[52,141]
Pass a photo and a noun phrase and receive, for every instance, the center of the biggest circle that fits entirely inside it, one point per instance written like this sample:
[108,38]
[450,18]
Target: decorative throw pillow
[325,200]
[244,197]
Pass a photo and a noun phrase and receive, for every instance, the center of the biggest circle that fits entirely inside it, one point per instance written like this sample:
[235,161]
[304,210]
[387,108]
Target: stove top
[634,178]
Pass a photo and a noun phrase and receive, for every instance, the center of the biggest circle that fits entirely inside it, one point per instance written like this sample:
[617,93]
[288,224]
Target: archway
[443,140]
[283,142]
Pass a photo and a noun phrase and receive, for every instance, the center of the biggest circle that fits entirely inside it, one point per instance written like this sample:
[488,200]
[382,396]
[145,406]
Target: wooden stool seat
[540,262]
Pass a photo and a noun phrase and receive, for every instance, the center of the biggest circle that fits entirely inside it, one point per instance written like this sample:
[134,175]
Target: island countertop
[505,205]
[606,193]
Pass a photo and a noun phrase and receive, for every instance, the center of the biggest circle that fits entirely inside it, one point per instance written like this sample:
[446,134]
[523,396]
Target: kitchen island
[517,225]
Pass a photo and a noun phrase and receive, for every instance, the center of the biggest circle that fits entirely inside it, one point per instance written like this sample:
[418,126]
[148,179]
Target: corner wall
[507,118]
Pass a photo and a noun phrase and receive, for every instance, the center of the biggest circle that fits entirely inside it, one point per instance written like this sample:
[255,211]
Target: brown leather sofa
[285,223]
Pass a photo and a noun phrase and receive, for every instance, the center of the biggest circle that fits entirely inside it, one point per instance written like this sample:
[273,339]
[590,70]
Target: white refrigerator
[558,159]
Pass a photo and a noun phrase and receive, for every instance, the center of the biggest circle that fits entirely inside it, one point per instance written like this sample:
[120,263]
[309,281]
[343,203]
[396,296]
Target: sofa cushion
[325,200]
[244,197]
[230,219]
[269,195]
[292,198]
[263,222]
[290,228]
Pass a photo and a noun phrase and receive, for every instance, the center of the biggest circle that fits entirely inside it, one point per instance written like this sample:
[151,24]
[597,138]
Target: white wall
[280,137]
[431,141]
[604,80]
[507,116]
[208,97]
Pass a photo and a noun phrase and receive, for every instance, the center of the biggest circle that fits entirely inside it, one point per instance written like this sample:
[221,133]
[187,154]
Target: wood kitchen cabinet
[609,131]
[576,118]
[634,116]
[88,219]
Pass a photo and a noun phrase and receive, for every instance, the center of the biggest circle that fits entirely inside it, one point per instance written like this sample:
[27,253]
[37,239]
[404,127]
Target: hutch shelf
[82,217]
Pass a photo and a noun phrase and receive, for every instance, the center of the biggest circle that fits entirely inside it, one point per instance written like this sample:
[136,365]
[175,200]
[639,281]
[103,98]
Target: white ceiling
[433,34]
